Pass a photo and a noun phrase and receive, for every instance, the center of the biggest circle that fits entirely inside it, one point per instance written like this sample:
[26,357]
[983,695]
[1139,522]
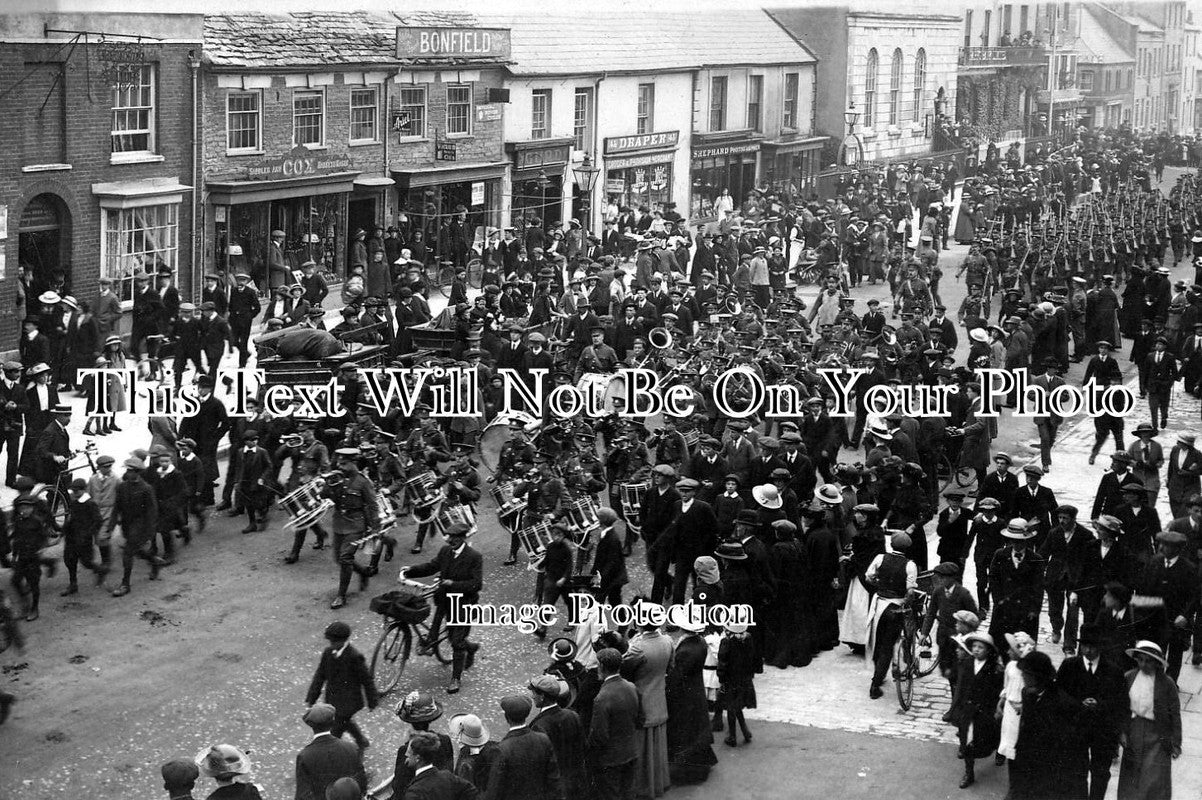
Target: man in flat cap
[325,758]
[179,778]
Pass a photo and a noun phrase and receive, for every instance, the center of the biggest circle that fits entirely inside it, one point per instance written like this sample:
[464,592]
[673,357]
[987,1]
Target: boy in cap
[79,531]
[342,672]
[21,550]
[949,598]
[179,778]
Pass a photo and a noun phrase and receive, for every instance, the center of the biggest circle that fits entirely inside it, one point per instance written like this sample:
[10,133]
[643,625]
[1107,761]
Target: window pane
[364,110]
[646,108]
[413,105]
[540,113]
[139,240]
[133,108]
[718,104]
[243,121]
[581,118]
[790,110]
[307,123]
[459,108]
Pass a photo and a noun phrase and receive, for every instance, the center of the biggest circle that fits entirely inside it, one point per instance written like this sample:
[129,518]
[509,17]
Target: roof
[557,43]
[1098,44]
[314,38]
[1143,24]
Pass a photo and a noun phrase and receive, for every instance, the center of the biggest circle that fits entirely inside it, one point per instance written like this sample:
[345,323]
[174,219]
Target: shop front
[791,167]
[538,180]
[304,196]
[638,169]
[450,207]
[366,205]
[722,165]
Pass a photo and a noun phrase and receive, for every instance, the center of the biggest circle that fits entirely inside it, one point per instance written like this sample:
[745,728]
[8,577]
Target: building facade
[894,72]
[725,105]
[1106,46]
[96,178]
[1163,36]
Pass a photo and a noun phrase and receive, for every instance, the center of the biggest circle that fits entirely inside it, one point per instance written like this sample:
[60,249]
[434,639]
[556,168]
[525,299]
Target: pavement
[221,649]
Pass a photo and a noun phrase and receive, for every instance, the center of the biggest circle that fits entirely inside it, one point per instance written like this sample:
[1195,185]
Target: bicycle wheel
[475,273]
[903,670]
[390,656]
[927,659]
[965,477]
[57,502]
[446,276]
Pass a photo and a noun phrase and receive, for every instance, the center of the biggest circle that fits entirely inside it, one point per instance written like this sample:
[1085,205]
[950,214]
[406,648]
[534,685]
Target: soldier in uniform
[355,516]
[1077,309]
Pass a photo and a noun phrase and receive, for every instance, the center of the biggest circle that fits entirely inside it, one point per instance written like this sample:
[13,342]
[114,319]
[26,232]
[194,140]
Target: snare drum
[582,514]
[305,505]
[535,539]
[508,505]
[422,490]
[631,495]
[451,515]
[388,510]
[692,438]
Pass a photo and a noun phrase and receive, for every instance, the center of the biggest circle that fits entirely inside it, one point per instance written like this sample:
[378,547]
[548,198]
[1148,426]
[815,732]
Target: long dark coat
[690,735]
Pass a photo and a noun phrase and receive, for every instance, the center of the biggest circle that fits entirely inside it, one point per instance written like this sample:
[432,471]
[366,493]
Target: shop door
[360,214]
[747,182]
[43,240]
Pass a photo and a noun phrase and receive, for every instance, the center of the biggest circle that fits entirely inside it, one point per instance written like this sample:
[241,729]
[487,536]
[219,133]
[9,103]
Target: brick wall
[80,110]
[486,142]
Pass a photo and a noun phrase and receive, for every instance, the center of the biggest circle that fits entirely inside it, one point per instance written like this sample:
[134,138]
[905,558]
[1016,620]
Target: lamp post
[851,116]
[585,176]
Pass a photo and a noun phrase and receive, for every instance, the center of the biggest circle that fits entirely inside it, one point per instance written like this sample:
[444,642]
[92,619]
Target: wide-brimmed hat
[880,432]
[767,495]
[222,759]
[979,636]
[1018,529]
[419,707]
[562,649]
[828,494]
[731,551]
[1150,649]
[468,729]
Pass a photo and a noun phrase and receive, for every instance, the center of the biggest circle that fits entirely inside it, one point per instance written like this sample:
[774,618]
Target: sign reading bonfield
[457,43]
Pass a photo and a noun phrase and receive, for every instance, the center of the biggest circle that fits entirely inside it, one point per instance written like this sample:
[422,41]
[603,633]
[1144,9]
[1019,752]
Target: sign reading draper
[459,43]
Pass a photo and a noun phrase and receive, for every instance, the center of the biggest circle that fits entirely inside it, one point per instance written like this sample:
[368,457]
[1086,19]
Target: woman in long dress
[1010,704]
[690,737]
[978,683]
[966,224]
[867,543]
[1152,736]
[646,664]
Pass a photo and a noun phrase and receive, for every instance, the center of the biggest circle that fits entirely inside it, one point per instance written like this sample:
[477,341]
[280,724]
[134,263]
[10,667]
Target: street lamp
[851,149]
[851,117]
[585,176]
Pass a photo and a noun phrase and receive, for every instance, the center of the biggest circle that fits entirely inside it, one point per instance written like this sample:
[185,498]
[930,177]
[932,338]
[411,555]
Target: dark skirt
[1146,771]
[736,696]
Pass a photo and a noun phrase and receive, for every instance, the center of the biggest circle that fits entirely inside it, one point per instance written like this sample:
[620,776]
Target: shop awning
[450,173]
[235,192]
[810,143]
[373,181]
[145,192]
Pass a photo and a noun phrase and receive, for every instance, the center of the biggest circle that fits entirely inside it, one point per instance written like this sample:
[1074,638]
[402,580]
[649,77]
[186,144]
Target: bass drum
[496,434]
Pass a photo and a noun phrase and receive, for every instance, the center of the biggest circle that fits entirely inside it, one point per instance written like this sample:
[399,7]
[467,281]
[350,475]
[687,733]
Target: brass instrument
[660,338]
[334,478]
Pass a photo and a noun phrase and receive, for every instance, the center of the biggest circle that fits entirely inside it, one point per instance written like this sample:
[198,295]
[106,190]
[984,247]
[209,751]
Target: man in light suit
[325,758]
[1185,467]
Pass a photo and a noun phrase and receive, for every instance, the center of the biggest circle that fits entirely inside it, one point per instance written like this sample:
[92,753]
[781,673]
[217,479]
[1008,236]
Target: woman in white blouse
[1152,736]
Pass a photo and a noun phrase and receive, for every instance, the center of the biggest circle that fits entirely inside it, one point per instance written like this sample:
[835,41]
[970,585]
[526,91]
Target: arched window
[895,85]
[870,89]
[920,81]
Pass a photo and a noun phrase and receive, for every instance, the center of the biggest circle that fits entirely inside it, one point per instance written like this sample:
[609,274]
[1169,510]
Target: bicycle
[403,619]
[946,469]
[911,658]
[58,498]
[443,277]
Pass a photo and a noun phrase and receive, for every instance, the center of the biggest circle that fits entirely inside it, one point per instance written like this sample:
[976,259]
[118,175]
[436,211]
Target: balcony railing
[987,57]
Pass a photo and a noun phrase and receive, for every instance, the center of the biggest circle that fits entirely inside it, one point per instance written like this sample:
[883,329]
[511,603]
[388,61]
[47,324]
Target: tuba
[660,339]
[334,478]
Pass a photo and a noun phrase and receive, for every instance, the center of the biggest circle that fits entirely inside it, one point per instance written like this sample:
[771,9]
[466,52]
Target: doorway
[44,242]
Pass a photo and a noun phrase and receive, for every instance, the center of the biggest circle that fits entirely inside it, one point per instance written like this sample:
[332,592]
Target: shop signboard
[453,43]
[478,193]
[445,151]
[489,112]
[539,157]
[716,151]
[615,186]
[647,141]
[300,162]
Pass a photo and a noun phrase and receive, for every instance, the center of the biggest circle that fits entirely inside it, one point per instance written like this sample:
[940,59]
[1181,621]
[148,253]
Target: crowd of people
[827,548]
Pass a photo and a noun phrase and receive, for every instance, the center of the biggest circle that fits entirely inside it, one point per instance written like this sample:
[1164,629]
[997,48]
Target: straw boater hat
[767,495]
[1018,529]
[1149,649]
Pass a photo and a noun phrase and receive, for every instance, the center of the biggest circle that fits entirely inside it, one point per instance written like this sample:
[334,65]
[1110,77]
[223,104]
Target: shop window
[365,112]
[755,102]
[1087,81]
[133,109]
[718,103]
[137,240]
[790,108]
[645,122]
[413,108]
[920,81]
[308,117]
[244,122]
[540,113]
[640,186]
[459,109]
[582,120]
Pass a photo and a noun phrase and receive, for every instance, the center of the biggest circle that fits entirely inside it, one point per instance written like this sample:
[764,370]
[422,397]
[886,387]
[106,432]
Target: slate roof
[1097,41]
[314,38]
[614,40]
